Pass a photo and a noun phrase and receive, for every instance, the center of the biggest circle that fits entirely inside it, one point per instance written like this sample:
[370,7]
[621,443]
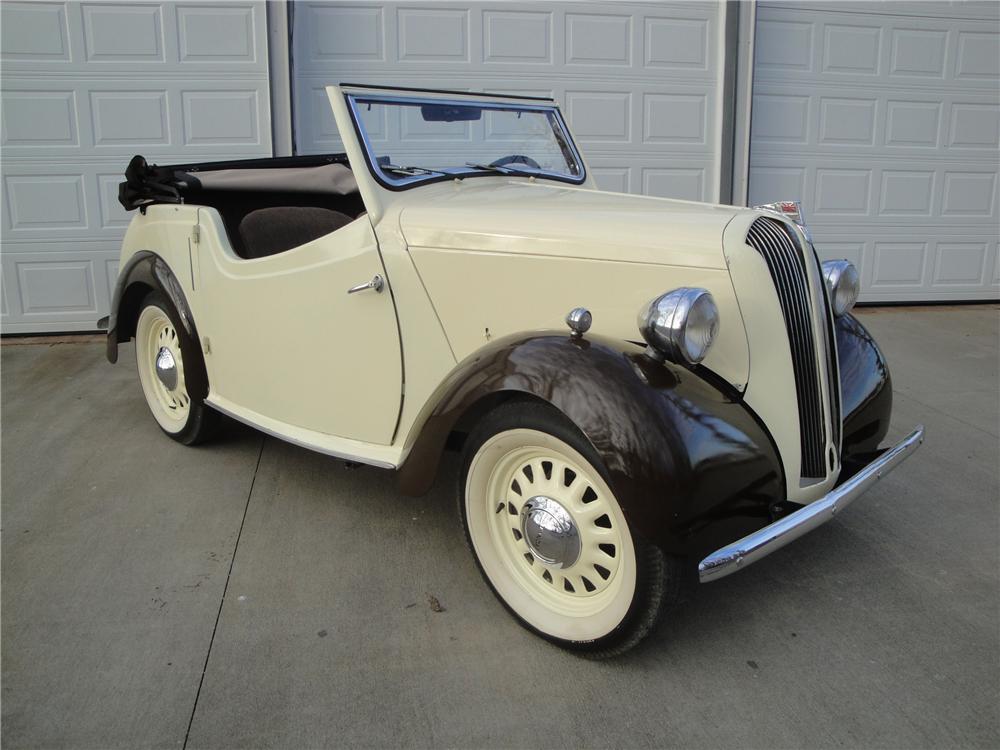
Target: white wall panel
[676,43]
[218,34]
[39,118]
[593,39]
[337,32]
[130,118]
[433,35]
[517,37]
[56,286]
[84,87]
[34,31]
[884,119]
[638,82]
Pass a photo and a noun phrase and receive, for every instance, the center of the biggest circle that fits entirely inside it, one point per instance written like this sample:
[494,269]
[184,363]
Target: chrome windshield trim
[446,92]
[762,543]
[394,182]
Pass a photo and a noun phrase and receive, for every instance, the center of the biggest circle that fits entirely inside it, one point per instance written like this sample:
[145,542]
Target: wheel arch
[487,403]
[649,422]
[145,272]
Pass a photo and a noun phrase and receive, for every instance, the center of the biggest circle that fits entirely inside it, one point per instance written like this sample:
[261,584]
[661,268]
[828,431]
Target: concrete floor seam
[225,589]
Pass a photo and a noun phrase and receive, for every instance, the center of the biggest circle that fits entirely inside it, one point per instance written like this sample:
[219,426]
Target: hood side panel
[481,296]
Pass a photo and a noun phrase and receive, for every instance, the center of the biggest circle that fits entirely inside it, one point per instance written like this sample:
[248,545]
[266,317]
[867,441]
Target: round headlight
[843,284]
[680,325]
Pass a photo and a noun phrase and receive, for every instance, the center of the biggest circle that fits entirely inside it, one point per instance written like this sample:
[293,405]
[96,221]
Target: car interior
[268,206]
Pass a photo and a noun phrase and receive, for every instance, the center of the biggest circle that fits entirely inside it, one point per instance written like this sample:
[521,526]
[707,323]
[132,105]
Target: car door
[288,344]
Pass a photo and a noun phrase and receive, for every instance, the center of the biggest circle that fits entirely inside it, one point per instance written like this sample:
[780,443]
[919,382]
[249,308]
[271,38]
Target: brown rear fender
[145,272]
[691,465]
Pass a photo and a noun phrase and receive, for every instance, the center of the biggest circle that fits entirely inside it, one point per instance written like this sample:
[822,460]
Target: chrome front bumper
[762,543]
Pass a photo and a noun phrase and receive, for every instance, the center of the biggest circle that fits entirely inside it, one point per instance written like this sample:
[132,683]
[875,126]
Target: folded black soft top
[146,184]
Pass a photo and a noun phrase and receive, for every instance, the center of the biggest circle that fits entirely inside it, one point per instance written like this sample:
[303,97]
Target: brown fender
[866,389]
[145,272]
[692,466]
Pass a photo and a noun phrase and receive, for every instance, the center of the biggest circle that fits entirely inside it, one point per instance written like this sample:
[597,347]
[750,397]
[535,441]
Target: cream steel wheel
[161,368]
[165,355]
[551,538]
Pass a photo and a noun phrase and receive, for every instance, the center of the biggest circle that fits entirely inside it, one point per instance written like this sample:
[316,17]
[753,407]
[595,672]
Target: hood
[518,216]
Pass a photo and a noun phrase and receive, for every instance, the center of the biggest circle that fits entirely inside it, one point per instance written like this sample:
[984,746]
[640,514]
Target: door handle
[376,283]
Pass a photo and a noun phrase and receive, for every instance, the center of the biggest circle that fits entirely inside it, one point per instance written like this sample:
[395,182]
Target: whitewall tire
[165,355]
[550,537]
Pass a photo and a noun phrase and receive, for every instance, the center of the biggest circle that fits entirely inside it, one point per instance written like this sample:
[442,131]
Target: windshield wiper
[408,171]
[503,169]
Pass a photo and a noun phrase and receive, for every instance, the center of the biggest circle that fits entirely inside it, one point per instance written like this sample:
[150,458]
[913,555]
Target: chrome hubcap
[166,368]
[550,532]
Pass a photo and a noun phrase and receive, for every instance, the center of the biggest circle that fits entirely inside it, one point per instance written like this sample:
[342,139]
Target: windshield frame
[395,182]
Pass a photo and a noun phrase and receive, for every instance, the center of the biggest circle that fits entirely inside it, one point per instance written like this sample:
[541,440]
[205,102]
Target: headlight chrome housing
[843,283]
[680,325]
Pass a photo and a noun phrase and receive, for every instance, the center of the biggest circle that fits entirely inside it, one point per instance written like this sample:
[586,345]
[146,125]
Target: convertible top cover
[146,183]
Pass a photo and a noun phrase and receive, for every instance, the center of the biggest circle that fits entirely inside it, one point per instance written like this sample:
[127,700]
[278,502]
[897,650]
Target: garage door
[885,120]
[638,82]
[84,87]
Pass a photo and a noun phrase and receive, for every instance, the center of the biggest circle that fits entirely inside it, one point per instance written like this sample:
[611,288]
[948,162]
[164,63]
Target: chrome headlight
[680,325]
[843,284]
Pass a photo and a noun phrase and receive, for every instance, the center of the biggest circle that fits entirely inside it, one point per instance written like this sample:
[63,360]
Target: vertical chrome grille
[788,272]
[832,362]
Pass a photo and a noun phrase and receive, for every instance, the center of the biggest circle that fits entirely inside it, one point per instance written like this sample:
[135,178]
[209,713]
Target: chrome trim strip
[762,543]
[303,443]
[447,92]
[832,360]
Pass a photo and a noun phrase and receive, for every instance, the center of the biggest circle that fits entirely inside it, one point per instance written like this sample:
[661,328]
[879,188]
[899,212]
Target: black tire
[189,421]
[657,580]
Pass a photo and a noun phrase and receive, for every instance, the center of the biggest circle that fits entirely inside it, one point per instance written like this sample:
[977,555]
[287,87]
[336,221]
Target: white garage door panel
[87,85]
[887,126]
[638,82]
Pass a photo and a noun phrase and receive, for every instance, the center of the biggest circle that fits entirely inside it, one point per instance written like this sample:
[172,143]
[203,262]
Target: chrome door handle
[376,283]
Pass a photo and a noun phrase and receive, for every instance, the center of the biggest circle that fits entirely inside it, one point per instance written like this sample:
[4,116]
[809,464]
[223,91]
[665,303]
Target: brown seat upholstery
[269,231]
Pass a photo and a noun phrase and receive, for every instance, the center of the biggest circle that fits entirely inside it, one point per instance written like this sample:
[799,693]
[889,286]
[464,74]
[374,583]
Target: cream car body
[467,263]
[454,251]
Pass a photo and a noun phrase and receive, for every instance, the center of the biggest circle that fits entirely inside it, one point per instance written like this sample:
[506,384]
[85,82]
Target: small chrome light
[843,284]
[680,325]
[579,321]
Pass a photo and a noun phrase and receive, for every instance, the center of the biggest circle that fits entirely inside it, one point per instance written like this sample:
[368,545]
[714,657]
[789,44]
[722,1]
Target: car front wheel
[550,537]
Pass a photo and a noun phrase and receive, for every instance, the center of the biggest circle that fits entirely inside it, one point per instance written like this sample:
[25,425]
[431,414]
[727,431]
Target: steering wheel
[503,161]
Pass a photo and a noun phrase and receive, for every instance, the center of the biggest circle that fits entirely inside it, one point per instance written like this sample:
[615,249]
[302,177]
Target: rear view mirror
[450,113]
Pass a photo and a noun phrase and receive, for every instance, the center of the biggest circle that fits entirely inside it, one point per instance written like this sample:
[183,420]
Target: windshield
[413,139]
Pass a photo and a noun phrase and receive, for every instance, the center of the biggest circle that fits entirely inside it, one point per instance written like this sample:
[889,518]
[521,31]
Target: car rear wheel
[162,350]
[550,537]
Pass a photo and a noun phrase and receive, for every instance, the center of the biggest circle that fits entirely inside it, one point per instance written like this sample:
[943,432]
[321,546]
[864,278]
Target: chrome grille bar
[788,272]
[832,361]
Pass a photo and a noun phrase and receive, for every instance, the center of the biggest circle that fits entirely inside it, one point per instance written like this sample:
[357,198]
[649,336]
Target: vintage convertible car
[711,400]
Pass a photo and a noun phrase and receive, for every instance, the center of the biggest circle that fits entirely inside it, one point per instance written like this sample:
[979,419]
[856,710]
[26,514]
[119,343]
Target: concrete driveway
[250,593]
